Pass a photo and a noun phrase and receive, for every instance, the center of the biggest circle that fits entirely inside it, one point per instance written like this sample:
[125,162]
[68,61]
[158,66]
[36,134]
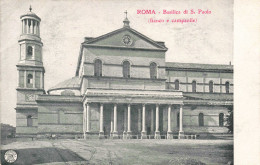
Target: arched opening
[29,52]
[29,121]
[221,119]
[177,84]
[98,68]
[30,80]
[227,86]
[194,84]
[211,87]
[153,70]
[201,119]
[126,69]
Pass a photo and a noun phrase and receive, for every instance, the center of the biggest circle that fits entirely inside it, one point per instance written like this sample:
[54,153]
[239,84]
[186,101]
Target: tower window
[29,81]
[211,87]
[177,84]
[201,119]
[153,70]
[29,52]
[178,119]
[98,68]
[126,69]
[227,87]
[194,84]
[221,119]
[29,121]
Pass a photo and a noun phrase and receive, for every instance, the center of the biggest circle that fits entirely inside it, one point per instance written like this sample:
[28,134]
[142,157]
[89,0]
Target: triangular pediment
[125,37]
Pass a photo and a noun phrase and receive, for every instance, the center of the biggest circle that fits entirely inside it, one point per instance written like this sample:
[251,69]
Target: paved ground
[115,152]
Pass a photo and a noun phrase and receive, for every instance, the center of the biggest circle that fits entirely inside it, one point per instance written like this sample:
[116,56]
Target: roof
[72,83]
[209,96]
[198,66]
[31,14]
[155,43]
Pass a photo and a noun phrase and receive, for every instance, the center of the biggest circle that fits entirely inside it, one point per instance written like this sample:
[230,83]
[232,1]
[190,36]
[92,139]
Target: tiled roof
[73,82]
[198,66]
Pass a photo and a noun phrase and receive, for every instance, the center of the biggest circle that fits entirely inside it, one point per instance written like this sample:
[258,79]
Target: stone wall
[60,118]
[202,78]
[21,122]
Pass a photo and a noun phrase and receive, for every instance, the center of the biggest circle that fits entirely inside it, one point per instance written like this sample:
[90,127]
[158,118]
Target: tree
[229,120]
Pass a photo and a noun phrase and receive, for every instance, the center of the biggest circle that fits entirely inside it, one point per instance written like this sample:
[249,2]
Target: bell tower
[30,73]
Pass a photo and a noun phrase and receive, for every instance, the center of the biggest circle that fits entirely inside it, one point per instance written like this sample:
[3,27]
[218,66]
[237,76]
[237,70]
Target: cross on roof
[30,8]
[125,13]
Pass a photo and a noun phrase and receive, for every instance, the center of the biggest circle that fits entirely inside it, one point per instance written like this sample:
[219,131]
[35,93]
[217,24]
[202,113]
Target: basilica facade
[122,88]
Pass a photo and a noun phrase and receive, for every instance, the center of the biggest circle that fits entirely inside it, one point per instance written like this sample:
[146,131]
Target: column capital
[101,103]
[143,104]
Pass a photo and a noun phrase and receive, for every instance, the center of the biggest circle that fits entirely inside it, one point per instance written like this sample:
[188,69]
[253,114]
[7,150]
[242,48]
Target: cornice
[123,47]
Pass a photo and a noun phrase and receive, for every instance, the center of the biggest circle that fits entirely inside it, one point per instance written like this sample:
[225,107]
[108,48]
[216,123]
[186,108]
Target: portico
[129,112]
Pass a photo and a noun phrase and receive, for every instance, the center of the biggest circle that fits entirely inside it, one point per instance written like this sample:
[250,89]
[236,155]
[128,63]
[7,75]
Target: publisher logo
[10,156]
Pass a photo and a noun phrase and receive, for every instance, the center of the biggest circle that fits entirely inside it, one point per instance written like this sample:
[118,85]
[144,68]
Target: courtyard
[114,152]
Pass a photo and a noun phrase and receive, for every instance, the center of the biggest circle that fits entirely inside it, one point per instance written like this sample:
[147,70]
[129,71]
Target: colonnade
[30,26]
[128,133]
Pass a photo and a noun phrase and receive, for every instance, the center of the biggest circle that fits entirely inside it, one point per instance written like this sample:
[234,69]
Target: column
[84,120]
[31,27]
[169,132]
[152,121]
[139,120]
[39,28]
[41,80]
[101,121]
[144,135]
[181,133]
[34,79]
[115,133]
[129,132]
[112,123]
[125,124]
[22,26]
[27,26]
[34,27]
[88,118]
[157,132]
[25,79]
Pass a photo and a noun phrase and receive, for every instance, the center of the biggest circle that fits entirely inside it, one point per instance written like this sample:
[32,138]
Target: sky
[65,23]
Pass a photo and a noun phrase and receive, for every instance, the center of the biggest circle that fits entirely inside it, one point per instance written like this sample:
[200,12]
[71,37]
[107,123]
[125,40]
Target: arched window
[211,87]
[126,69]
[153,70]
[29,121]
[29,80]
[194,84]
[29,52]
[221,119]
[98,68]
[178,120]
[227,87]
[201,119]
[177,84]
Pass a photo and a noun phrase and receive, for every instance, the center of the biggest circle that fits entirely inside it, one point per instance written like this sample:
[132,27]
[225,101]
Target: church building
[122,88]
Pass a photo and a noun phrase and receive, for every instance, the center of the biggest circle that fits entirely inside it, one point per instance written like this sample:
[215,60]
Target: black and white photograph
[125,82]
